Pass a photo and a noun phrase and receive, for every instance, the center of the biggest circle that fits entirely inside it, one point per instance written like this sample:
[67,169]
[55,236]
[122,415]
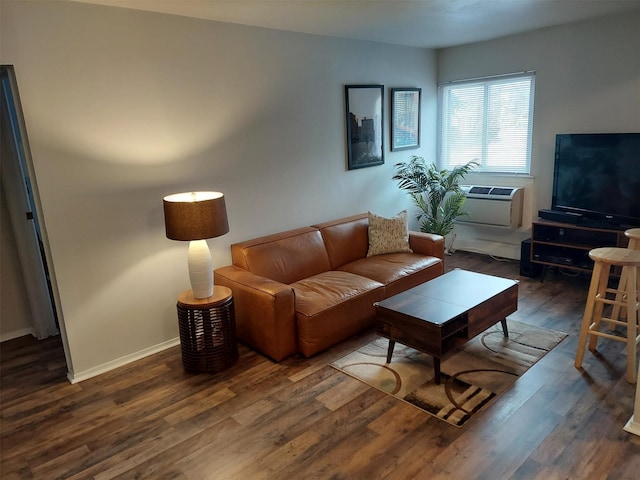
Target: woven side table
[207,331]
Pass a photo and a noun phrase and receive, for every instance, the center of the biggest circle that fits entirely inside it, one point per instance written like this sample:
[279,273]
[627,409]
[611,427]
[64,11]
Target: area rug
[471,377]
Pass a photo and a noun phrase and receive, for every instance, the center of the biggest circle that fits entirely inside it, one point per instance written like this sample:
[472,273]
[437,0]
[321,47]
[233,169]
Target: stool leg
[632,322]
[597,312]
[588,313]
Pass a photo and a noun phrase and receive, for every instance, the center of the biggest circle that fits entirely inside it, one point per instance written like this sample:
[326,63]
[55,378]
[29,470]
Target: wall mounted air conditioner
[497,206]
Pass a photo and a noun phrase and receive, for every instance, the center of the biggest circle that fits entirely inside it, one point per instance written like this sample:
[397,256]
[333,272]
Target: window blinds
[489,120]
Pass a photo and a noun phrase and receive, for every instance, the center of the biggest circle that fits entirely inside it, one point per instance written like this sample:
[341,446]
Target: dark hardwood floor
[301,419]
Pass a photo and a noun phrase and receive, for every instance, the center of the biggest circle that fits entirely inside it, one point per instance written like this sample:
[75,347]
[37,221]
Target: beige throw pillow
[388,235]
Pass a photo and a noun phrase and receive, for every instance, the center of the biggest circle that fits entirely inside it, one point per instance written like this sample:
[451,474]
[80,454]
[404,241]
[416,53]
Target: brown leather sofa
[304,290]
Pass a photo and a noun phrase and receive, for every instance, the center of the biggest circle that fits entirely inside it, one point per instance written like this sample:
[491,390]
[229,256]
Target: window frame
[486,82]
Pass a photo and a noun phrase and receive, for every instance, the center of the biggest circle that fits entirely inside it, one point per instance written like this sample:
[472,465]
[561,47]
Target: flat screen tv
[598,176]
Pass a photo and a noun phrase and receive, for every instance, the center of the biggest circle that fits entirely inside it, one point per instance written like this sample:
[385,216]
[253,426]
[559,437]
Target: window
[489,120]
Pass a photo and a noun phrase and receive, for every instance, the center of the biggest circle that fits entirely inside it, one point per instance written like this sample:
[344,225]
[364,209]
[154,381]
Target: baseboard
[75,377]
[632,426]
[487,247]
[17,334]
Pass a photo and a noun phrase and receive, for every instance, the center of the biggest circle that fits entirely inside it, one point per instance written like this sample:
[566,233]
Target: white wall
[123,107]
[587,81]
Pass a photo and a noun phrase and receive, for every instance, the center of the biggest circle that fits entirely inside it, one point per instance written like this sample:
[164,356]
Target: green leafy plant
[435,192]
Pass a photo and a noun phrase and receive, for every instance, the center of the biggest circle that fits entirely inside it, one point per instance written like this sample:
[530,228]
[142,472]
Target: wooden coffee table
[444,313]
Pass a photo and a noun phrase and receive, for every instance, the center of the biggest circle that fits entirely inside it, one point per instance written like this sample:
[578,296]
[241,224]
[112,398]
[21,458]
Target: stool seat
[621,257]
[624,297]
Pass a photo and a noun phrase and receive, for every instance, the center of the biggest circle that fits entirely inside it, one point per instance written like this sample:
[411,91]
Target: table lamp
[196,216]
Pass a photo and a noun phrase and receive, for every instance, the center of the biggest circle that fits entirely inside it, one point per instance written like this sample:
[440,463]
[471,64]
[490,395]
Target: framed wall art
[365,138]
[405,118]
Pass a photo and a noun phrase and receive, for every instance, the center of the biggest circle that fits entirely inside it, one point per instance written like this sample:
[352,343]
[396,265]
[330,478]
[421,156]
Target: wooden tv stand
[567,245]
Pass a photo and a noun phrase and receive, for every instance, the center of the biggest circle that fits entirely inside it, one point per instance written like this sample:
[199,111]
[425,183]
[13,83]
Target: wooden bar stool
[633,235]
[599,295]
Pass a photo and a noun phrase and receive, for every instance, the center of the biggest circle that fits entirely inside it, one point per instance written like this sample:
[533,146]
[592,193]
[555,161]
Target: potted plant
[435,192]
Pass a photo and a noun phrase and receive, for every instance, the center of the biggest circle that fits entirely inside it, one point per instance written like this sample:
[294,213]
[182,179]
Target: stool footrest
[615,321]
[608,301]
[592,331]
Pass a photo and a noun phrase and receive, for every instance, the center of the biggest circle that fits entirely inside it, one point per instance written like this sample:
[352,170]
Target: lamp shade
[195,215]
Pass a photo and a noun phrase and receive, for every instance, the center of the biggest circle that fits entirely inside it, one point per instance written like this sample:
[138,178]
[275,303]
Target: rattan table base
[207,331]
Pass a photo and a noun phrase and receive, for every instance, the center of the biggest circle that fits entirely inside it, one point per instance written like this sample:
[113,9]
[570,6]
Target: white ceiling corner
[419,23]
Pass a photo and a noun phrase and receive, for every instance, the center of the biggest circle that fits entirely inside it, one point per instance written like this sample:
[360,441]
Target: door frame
[25,212]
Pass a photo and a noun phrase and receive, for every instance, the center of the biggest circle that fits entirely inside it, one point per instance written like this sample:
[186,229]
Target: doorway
[21,203]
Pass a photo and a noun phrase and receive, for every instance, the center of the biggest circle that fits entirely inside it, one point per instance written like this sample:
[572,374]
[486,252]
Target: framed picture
[364,107]
[405,118]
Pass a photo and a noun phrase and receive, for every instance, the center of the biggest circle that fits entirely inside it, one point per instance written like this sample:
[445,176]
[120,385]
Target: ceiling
[419,23]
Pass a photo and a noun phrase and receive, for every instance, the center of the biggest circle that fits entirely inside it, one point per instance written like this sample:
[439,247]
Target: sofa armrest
[427,244]
[264,310]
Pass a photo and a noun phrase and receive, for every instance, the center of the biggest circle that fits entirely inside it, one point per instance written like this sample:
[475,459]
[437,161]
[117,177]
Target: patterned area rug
[471,377]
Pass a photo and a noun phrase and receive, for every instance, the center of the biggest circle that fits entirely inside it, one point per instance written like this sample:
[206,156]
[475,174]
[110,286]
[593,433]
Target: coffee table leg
[504,327]
[436,369]
[392,343]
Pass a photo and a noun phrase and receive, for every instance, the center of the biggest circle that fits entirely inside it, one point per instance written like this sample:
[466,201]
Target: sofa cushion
[397,271]
[284,257]
[346,239]
[388,235]
[332,306]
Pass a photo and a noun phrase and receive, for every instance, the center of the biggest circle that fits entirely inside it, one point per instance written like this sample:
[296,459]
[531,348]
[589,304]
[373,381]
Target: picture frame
[364,107]
[405,118]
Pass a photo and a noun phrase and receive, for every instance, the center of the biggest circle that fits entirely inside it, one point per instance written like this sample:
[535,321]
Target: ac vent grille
[480,190]
[501,191]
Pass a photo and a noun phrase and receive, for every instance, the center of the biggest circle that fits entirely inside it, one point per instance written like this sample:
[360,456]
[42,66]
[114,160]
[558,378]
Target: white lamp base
[200,269]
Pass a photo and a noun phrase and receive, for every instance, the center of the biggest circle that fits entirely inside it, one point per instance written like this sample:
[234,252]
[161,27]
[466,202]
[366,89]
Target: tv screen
[598,176]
